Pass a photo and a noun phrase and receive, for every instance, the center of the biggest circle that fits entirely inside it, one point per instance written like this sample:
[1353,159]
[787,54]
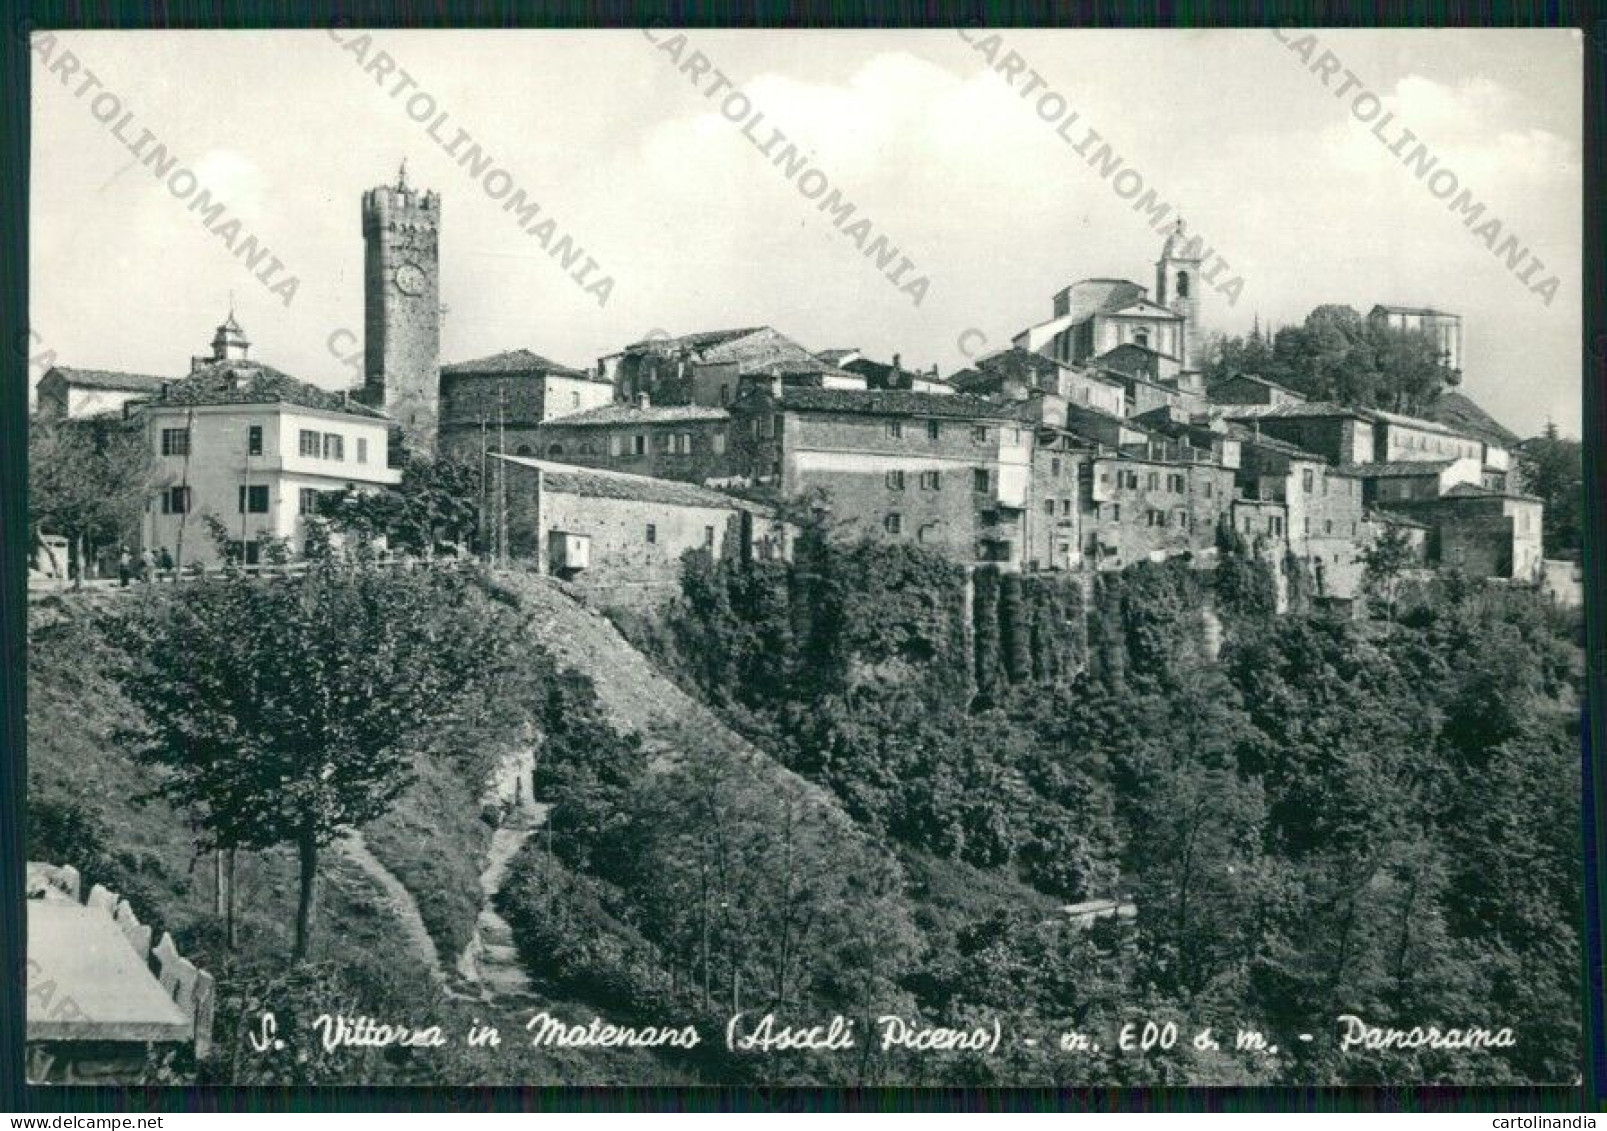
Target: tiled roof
[1394,518]
[892,402]
[512,361]
[1400,469]
[592,483]
[635,414]
[107,379]
[1296,411]
[1247,435]
[1461,414]
[694,342]
[1254,379]
[1476,491]
[251,382]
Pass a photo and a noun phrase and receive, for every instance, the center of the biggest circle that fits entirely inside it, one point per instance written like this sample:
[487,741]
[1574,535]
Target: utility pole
[502,483]
[485,491]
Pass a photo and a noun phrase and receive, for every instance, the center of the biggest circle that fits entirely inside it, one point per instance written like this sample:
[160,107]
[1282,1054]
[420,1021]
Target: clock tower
[402,308]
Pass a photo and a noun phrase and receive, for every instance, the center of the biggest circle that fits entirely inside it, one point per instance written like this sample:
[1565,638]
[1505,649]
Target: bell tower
[1177,287]
[402,308]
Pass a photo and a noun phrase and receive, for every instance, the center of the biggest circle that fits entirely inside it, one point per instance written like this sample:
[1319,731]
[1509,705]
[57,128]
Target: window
[1141,337]
[652,534]
[719,443]
[1049,507]
[1065,508]
[253,499]
[1115,512]
[362,449]
[708,537]
[929,480]
[1274,524]
[250,551]
[1182,284]
[895,480]
[639,445]
[254,440]
[933,430]
[521,450]
[979,479]
[616,445]
[1328,526]
[574,399]
[1306,478]
[309,501]
[311,444]
[1154,480]
[175,441]
[683,443]
[893,524]
[1054,466]
[175,500]
[980,433]
[1208,488]
[895,429]
[725,395]
[1156,518]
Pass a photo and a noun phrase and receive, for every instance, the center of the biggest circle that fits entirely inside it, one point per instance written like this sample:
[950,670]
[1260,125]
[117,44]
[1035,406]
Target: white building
[252,447]
[67,393]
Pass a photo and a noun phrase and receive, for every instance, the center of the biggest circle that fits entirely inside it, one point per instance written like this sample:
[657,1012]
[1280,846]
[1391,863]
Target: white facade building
[252,447]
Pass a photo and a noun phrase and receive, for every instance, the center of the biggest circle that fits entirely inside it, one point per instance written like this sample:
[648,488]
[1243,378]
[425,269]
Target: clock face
[410,280]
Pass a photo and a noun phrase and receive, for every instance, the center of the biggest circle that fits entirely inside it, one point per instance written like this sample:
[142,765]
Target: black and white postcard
[677,557]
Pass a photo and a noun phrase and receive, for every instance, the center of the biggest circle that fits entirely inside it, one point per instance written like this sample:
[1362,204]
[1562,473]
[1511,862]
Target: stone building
[949,472]
[1054,520]
[1484,533]
[1336,432]
[596,526]
[402,308]
[1150,508]
[74,394]
[710,368]
[511,394]
[1324,512]
[1245,388]
[1015,374]
[685,442]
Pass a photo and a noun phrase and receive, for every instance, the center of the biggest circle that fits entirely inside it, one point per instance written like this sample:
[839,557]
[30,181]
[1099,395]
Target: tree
[1384,563]
[88,480]
[1339,355]
[286,709]
[436,502]
[1552,468]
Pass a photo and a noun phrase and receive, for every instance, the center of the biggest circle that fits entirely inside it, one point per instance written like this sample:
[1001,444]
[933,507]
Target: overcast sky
[699,231]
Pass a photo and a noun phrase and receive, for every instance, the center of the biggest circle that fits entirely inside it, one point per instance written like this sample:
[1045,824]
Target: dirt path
[490,963]
[401,900]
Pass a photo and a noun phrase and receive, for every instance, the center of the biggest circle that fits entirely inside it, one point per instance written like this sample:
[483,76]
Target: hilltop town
[1095,441]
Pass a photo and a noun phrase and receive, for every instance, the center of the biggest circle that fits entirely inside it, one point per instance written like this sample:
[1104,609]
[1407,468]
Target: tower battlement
[402,307]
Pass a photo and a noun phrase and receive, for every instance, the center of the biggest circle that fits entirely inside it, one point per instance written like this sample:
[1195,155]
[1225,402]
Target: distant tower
[228,344]
[1177,287]
[402,307]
